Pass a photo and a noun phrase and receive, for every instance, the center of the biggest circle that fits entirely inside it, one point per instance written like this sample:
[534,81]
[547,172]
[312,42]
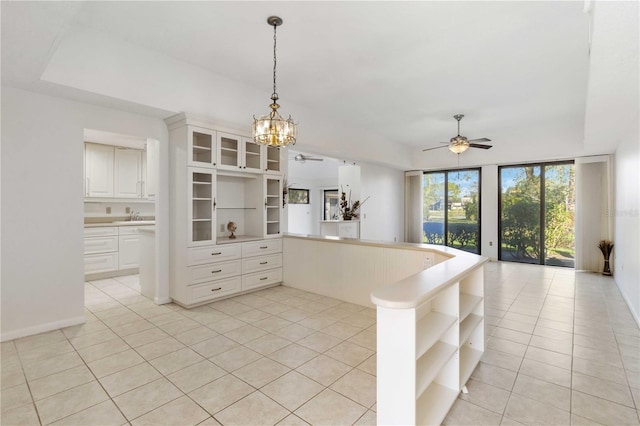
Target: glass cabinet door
[229,151]
[201,147]
[273,206]
[252,155]
[272,160]
[202,206]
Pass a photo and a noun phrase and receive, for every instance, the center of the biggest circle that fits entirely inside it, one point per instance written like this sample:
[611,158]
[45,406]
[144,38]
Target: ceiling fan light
[458,146]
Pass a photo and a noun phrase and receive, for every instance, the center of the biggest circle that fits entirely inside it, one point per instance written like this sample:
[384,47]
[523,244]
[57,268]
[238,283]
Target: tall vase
[606,270]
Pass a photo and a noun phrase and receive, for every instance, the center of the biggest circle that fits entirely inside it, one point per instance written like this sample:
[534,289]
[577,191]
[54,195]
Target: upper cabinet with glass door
[201,147]
[238,153]
[272,163]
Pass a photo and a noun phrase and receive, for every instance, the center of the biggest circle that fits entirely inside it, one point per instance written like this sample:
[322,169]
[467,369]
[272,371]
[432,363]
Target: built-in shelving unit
[217,177]
[426,353]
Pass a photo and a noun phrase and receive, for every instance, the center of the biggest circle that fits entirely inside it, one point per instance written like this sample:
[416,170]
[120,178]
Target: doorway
[537,212]
[451,209]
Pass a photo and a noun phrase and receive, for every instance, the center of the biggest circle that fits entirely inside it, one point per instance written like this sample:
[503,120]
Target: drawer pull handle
[263,263]
[216,271]
[216,289]
[216,253]
[264,278]
[264,247]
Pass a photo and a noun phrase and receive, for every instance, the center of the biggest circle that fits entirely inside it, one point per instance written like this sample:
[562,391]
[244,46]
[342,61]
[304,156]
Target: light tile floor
[561,348]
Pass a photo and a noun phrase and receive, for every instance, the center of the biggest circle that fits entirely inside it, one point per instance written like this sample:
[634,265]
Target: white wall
[626,251]
[304,218]
[42,205]
[382,217]
[489,211]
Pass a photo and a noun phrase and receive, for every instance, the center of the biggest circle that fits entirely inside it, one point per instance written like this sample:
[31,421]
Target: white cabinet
[201,147]
[100,250]
[128,251]
[272,160]
[219,176]
[239,153]
[201,206]
[272,206]
[98,170]
[128,181]
[115,172]
[111,248]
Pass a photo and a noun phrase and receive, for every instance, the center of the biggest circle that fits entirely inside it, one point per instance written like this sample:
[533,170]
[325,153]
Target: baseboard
[163,301]
[42,328]
[634,314]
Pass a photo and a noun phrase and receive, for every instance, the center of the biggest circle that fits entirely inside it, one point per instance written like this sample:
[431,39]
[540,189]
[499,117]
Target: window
[537,206]
[298,196]
[331,200]
[451,209]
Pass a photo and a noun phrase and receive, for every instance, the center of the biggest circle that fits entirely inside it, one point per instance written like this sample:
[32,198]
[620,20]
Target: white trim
[163,301]
[634,314]
[41,328]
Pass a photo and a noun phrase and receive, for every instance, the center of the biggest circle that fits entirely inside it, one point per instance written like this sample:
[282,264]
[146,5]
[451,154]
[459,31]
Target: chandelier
[271,129]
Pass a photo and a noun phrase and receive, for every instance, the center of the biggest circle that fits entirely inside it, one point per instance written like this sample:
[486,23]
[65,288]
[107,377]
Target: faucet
[134,216]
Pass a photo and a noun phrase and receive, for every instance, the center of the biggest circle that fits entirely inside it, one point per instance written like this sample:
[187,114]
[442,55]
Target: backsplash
[118,210]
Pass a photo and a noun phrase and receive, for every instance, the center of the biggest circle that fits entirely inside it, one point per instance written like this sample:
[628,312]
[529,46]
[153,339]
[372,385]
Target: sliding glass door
[537,205]
[451,209]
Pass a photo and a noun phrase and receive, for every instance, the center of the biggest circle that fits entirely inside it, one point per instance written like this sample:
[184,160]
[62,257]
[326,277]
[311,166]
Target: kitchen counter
[121,223]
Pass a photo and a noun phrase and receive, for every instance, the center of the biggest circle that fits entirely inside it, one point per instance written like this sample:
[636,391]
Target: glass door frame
[543,205]
[446,203]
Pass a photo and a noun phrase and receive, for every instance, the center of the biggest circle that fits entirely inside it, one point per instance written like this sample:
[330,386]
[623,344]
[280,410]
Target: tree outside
[459,204]
[520,214]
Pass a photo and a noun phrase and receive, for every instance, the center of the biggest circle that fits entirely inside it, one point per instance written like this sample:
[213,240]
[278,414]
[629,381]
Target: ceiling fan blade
[435,147]
[480,140]
[478,145]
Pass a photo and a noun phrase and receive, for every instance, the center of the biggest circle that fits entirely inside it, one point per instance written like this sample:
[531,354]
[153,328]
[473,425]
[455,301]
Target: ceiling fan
[460,144]
[301,158]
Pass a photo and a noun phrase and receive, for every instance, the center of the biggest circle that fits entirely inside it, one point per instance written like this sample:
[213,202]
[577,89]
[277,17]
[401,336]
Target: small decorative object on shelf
[606,247]
[350,211]
[231,227]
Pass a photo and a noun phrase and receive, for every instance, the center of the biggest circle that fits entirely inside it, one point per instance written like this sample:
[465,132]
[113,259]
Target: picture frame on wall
[298,196]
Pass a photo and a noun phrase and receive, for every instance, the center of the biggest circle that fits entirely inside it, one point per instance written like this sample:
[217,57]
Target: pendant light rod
[275,22]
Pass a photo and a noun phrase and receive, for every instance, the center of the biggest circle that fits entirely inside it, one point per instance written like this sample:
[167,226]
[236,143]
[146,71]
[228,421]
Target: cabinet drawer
[261,263]
[257,248]
[211,290]
[101,244]
[94,263]
[209,254]
[132,230]
[100,231]
[260,279]
[214,271]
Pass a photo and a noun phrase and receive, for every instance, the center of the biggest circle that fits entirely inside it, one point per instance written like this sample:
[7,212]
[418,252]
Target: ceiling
[370,81]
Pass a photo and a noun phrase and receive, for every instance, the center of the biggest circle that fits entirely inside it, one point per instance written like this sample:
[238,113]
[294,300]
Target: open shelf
[468,303]
[430,363]
[469,358]
[429,330]
[467,326]
[434,404]
[236,208]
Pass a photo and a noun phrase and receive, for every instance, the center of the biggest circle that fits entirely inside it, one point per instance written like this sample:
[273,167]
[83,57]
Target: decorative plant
[350,211]
[606,247]
[285,190]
